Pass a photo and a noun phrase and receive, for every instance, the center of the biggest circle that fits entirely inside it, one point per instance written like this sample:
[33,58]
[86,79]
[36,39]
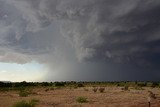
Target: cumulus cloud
[57,32]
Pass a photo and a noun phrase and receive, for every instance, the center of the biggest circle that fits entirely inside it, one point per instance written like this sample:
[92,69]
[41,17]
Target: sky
[79,40]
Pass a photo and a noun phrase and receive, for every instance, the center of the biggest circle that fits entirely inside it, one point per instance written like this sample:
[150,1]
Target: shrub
[59,84]
[80,85]
[45,84]
[95,89]
[24,93]
[82,100]
[4,89]
[126,88]
[154,84]
[47,89]
[138,88]
[101,89]
[24,103]
[142,84]
[151,95]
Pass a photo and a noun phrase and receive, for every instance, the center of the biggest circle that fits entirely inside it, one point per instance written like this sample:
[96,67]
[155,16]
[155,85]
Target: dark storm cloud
[68,35]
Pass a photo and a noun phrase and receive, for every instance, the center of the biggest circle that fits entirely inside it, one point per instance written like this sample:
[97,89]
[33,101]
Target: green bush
[24,93]
[82,100]
[24,103]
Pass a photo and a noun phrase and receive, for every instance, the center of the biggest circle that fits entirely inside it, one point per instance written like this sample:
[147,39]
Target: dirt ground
[66,97]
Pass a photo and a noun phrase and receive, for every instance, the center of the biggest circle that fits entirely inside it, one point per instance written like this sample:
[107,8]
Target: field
[67,96]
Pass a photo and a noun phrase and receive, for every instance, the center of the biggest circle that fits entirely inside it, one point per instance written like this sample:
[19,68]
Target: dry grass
[66,97]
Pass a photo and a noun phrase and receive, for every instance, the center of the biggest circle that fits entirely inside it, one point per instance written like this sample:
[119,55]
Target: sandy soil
[66,97]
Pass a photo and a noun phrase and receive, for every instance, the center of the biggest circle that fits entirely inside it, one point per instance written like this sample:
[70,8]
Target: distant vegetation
[22,85]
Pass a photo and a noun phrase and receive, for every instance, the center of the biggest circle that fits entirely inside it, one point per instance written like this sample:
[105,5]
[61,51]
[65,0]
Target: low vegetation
[126,88]
[95,89]
[82,100]
[24,92]
[101,89]
[80,85]
[151,95]
[24,103]
[138,88]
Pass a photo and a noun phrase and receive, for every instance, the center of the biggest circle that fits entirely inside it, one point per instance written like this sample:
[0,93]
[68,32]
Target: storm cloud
[83,39]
